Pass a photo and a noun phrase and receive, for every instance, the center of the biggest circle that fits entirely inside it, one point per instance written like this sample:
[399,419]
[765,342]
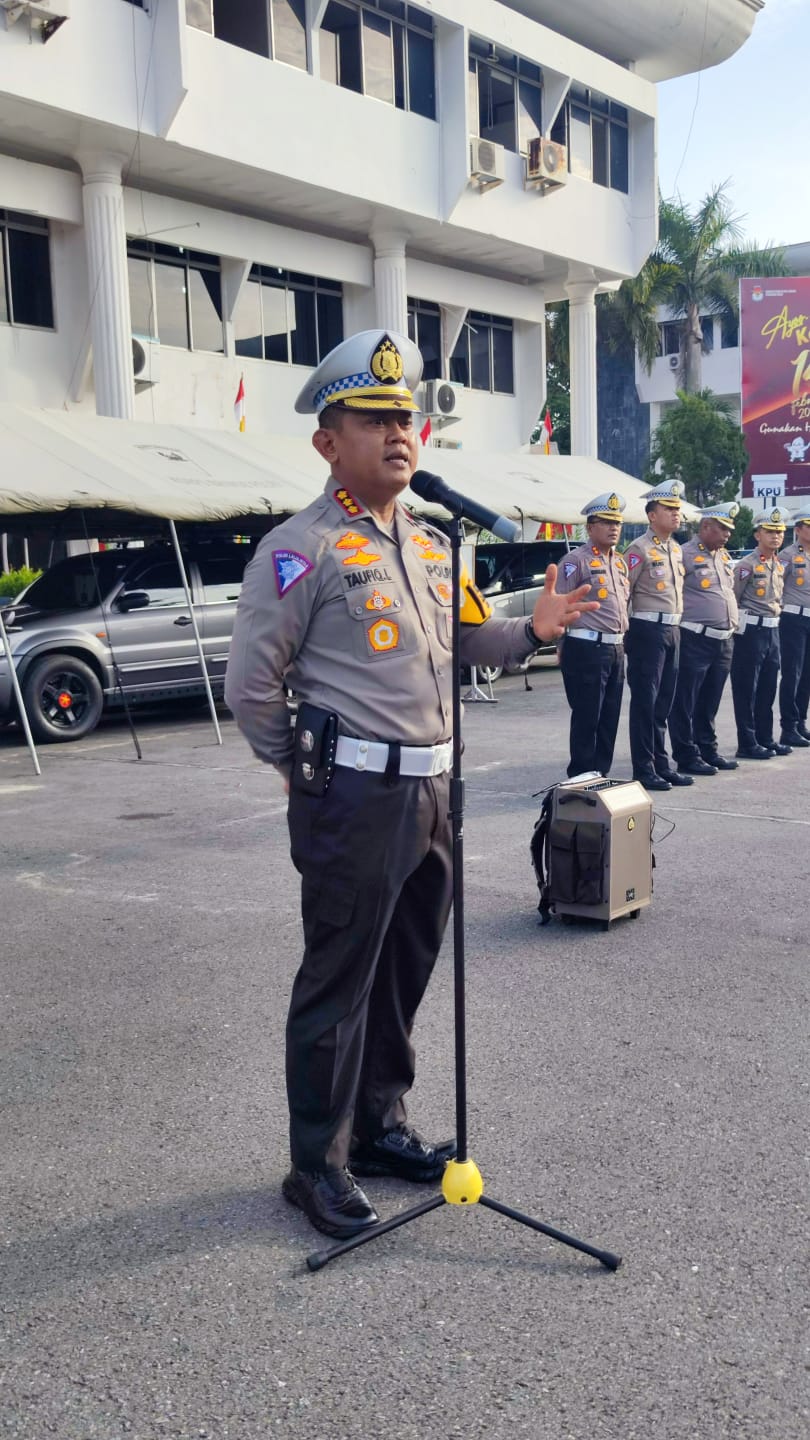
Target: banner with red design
[775,345]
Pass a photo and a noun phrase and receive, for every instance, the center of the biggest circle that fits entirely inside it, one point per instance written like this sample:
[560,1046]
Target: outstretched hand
[554,612]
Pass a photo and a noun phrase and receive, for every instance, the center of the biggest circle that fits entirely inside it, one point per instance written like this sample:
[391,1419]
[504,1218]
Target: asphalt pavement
[645,1089]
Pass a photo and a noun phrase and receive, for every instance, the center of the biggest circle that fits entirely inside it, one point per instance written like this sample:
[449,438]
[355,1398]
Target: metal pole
[184,577]
[15,685]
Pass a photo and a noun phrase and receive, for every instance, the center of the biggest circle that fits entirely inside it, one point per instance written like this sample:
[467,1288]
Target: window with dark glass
[425,329]
[221,575]
[287,317]
[273,28]
[381,48]
[595,130]
[505,95]
[25,270]
[707,326]
[176,295]
[729,333]
[669,342]
[483,357]
[162,582]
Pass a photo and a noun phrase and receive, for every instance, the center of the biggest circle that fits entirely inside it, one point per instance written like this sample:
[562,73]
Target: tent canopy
[52,462]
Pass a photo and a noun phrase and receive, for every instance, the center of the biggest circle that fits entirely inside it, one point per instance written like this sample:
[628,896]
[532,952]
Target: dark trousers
[754,672]
[703,668]
[593,676]
[376,871]
[652,672]
[794,687]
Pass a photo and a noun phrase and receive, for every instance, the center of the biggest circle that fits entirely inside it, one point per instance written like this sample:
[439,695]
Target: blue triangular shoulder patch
[290,567]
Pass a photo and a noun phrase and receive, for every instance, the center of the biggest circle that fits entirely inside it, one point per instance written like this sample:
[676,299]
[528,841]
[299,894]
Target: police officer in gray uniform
[794,635]
[350,603]
[592,650]
[758,586]
[655,572]
[707,629]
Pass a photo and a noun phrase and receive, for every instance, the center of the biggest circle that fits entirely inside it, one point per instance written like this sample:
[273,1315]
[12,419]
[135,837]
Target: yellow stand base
[462,1183]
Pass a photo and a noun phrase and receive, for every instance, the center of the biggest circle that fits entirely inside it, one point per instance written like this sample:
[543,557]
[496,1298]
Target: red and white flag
[548,432]
[426,432]
[239,404]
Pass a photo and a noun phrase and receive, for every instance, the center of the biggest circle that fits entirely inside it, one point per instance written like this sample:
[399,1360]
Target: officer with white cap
[707,629]
[794,634]
[655,571]
[350,601]
[592,650]
[758,586]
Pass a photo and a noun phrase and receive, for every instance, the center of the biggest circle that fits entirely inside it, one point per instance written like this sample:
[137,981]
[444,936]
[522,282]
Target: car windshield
[76,583]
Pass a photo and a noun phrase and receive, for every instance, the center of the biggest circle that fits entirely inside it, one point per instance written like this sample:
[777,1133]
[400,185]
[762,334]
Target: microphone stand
[461,1183]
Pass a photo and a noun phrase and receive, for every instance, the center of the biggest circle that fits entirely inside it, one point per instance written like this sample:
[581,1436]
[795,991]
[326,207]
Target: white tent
[53,461]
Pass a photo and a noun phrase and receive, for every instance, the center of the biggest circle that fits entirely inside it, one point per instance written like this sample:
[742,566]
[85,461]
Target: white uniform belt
[658,617]
[710,630]
[413,759]
[796,609]
[600,637]
[747,618]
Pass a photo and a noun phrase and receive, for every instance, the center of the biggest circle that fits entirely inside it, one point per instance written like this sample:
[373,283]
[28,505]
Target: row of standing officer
[685,619]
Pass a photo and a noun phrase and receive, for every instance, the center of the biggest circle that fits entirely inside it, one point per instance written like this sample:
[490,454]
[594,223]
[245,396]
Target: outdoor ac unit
[486,162]
[674,362]
[145,359]
[441,398]
[47,15]
[546,165]
[443,444]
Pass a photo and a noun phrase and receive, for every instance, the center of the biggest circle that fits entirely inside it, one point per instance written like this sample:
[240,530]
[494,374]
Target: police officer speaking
[794,635]
[758,585]
[655,570]
[350,602]
[707,629]
[592,651]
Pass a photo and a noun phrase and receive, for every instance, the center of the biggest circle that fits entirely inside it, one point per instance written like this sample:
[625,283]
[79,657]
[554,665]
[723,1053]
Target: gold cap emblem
[613,503]
[386,362]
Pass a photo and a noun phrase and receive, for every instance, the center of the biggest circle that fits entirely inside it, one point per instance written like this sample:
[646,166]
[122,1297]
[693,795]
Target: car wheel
[489,673]
[63,698]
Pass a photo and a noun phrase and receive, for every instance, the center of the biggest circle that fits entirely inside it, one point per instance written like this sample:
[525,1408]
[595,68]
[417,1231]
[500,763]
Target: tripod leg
[319,1258]
[610,1261]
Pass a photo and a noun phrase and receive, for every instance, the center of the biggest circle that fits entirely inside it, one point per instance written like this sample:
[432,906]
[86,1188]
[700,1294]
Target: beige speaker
[600,849]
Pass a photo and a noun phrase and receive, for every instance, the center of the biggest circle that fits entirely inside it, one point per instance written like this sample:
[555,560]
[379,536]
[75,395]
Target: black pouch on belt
[316,737]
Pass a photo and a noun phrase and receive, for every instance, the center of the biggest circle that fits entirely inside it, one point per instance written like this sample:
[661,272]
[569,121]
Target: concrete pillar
[582,359]
[390,280]
[110,321]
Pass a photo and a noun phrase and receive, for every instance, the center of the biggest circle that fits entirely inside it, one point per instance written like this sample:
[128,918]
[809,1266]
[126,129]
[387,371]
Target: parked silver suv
[97,627]
[511,577]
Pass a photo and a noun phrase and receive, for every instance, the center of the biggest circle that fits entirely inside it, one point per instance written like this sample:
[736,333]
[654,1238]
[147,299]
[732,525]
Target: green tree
[699,443]
[742,537]
[558,379]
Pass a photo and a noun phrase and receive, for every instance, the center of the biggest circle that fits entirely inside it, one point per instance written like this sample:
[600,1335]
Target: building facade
[192,191]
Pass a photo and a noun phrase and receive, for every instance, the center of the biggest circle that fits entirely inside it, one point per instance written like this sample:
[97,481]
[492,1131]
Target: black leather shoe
[403,1153]
[698,767]
[803,730]
[755,752]
[331,1201]
[794,740]
[653,782]
[778,749]
[719,762]
[676,777]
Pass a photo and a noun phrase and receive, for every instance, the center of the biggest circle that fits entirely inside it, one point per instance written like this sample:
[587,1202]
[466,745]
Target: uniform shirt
[357,620]
[796,574]
[758,583]
[708,586]
[607,577]
[655,569]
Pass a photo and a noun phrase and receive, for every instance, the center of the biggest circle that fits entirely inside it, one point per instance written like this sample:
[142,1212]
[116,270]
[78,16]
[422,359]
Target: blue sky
[750,126]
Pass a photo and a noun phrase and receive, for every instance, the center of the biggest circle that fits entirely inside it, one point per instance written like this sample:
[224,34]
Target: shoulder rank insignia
[290,567]
[347,502]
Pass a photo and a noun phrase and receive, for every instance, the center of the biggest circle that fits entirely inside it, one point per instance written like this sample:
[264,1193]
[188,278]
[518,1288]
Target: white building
[240,185]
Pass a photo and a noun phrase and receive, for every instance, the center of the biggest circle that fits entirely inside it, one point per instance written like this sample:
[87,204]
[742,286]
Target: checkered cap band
[362,384]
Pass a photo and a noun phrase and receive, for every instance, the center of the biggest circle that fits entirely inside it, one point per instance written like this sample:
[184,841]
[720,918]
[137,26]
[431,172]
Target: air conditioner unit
[441,398]
[145,359]
[674,362]
[546,165]
[486,163]
[45,15]
[448,444]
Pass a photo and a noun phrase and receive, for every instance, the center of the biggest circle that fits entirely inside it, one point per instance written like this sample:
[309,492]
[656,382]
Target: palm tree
[694,269]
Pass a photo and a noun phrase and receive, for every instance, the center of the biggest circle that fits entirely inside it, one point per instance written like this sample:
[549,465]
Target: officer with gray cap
[707,629]
[794,634]
[350,602]
[758,586]
[592,650]
[655,572]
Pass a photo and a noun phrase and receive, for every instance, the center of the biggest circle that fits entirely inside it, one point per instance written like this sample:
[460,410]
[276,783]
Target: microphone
[432,487]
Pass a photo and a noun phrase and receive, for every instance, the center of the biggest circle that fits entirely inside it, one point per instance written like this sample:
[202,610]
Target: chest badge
[383,635]
[378,601]
[357,545]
